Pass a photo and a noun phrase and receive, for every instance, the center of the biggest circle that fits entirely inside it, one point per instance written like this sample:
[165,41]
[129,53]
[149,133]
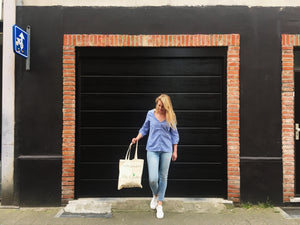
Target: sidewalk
[238,216]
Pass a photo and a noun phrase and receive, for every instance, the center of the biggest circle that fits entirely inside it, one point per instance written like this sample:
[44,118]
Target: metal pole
[28,29]
[8,104]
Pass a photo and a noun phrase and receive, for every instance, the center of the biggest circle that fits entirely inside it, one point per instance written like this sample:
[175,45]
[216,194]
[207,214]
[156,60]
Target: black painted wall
[39,92]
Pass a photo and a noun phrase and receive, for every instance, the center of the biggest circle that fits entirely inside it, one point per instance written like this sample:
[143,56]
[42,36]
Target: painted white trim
[295,200]
[1,10]
[139,3]
[8,104]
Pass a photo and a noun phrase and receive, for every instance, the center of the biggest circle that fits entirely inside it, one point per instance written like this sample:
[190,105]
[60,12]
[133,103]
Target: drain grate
[62,214]
[291,212]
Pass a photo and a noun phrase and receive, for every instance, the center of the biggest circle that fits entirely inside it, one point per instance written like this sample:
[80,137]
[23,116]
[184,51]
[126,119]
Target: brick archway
[71,41]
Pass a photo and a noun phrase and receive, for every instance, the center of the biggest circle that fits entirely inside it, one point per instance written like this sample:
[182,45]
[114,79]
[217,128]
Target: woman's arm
[138,137]
[143,131]
[174,136]
[174,155]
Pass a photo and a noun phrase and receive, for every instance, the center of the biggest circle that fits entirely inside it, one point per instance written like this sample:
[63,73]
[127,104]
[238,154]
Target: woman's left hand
[174,156]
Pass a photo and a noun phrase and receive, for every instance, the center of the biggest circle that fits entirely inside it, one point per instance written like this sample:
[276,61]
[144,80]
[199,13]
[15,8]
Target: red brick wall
[232,41]
[288,101]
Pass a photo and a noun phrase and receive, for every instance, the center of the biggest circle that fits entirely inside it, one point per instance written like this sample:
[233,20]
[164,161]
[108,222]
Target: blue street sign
[20,41]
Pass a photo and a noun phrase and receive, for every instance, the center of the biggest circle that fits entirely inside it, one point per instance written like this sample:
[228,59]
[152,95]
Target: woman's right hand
[138,137]
[134,140]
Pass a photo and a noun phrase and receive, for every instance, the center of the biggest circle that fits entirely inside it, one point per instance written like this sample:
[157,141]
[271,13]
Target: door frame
[231,41]
[297,143]
[289,41]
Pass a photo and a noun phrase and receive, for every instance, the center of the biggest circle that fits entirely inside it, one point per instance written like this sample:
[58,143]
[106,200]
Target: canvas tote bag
[130,171]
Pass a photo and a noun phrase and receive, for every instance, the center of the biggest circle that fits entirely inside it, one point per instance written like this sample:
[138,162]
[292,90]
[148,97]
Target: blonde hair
[170,115]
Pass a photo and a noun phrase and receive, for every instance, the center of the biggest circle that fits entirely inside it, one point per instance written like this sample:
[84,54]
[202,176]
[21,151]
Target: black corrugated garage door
[115,89]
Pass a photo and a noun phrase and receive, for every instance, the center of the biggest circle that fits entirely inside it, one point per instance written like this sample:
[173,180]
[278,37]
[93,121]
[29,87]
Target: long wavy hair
[170,114]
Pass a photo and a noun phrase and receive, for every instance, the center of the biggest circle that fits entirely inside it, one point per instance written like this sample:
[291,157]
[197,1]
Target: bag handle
[127,157]
[136,150]
[128,152]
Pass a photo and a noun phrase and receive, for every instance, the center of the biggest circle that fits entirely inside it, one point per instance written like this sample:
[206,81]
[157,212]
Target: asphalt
[232,215]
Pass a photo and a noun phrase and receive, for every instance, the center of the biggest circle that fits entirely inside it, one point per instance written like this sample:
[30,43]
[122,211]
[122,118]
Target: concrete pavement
[227,215]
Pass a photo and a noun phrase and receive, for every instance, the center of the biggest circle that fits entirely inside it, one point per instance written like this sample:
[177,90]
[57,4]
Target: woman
[161,148]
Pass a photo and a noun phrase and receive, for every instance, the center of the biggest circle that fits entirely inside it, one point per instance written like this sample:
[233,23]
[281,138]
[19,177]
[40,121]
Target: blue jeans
[158,168]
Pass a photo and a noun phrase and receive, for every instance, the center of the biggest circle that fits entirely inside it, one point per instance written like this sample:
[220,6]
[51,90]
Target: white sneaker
[159,212]
[153,202]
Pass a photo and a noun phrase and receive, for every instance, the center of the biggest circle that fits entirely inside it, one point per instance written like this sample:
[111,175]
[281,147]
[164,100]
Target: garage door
[115,89]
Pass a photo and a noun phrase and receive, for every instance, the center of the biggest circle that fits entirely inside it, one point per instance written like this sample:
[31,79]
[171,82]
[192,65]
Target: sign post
[28,29]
